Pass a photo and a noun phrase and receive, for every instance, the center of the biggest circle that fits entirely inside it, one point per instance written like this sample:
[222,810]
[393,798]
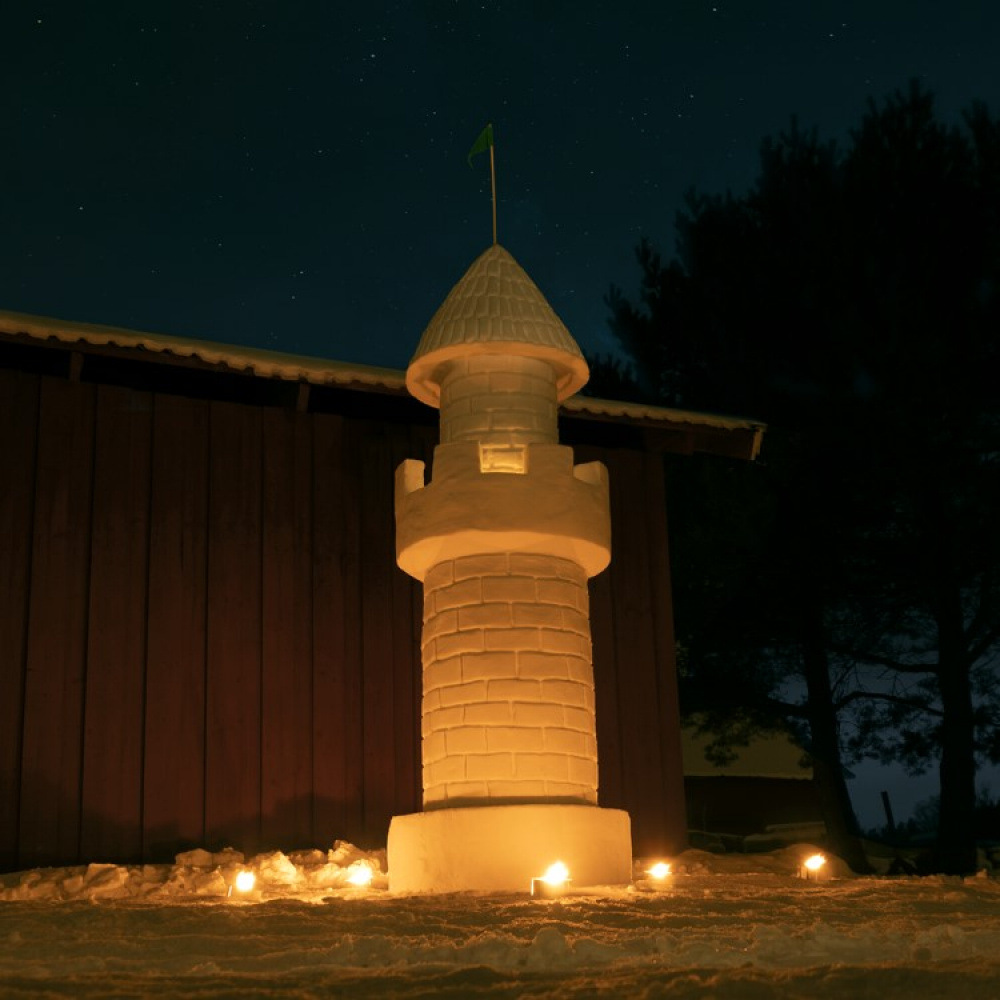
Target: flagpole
[485,141]
[493,188]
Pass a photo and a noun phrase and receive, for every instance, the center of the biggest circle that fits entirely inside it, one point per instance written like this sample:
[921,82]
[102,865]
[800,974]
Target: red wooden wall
[205,640]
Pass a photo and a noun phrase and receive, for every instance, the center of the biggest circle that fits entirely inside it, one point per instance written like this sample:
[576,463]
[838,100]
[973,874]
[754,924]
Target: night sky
[293,175]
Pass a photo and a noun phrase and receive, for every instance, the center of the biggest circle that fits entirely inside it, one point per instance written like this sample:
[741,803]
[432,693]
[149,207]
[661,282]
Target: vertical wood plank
[337,713]
[673,830]
[286,704]
[379,625]
[57,626]
[111,827]
[18,429]
[642,776]
[233,672]
[174,764]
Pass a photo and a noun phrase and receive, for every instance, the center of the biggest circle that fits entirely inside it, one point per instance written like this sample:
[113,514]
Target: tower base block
[502,848]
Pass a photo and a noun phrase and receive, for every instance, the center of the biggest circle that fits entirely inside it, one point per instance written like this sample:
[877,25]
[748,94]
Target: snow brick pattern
[499,400]
[508,697]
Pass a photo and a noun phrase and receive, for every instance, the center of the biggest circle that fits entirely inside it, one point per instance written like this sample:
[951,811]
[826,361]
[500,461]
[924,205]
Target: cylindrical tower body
[508,694]
[499,400]
[504,539]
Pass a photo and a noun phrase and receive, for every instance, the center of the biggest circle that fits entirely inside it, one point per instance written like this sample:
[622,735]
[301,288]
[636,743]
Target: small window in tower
[503,458]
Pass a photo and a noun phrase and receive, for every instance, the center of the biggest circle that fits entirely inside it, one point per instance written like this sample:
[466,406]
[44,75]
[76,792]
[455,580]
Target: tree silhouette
[852,300]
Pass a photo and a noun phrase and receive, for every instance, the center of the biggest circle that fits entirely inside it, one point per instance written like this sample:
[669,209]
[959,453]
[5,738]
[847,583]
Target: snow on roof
[495,308]
[269,364]
[320,371]
[646,412]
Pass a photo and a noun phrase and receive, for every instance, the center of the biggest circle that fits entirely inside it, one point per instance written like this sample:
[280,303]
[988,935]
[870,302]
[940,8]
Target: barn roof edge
[320,371]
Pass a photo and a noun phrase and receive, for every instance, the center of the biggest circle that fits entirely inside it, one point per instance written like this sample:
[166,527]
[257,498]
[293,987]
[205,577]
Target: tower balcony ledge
[552,508]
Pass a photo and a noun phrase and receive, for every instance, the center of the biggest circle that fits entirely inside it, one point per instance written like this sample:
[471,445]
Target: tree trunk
[828,771]
[956,843]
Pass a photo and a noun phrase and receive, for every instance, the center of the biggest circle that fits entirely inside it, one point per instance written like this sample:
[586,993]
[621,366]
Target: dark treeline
[848,583]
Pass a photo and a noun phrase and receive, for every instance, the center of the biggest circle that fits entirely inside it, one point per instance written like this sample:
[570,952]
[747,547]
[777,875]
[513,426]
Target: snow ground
[732,927]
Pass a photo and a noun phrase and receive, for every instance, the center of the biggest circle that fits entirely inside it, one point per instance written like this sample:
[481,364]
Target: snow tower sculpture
[504,538]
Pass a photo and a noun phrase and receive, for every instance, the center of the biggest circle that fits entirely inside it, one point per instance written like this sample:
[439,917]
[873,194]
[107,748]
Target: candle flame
[360,874]
[245,881]
[556,874]
[660,870]
[814,863]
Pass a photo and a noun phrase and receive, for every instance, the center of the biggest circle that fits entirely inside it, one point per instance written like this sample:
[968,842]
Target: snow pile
[305,875]
[721,925]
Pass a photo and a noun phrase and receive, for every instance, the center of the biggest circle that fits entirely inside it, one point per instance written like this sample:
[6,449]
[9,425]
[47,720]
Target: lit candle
[244,882]
[811,867]
[656,877]
[552,884]
[360,874]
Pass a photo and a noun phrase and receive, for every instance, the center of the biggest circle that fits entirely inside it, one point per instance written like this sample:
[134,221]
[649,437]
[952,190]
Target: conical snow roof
[495,309]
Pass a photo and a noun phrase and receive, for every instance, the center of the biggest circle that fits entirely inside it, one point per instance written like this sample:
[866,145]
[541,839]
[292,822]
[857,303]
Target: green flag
[484,142]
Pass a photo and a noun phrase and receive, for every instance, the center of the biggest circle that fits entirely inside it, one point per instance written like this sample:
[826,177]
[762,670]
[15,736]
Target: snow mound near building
[307,875]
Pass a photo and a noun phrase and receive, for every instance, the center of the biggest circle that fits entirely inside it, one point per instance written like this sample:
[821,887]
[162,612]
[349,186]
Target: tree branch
[982,647]
[887,661]
[892,699]
[787,708]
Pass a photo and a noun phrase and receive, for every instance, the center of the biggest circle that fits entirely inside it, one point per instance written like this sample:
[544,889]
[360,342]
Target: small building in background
[767,788]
